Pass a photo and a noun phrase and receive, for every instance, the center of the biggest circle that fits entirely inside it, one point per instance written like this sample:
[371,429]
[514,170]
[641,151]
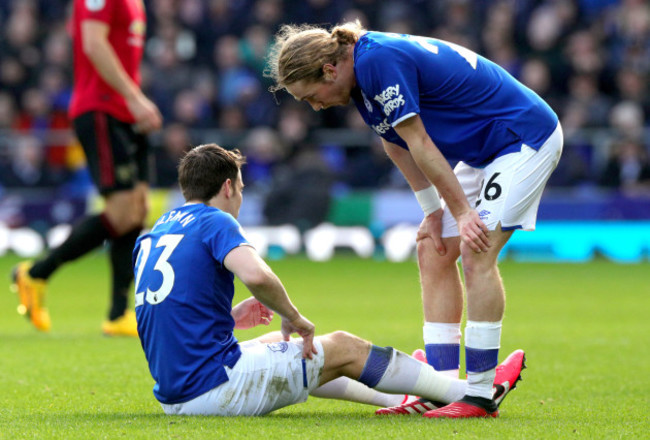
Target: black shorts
[118,157]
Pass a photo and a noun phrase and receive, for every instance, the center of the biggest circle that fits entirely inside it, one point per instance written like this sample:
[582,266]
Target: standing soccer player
[111,117]
[432,101]
[185,268]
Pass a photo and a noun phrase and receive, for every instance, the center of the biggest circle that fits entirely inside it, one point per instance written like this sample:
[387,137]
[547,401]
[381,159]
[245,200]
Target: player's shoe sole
[469,407]
[31,296]
[508,374]
[125,325]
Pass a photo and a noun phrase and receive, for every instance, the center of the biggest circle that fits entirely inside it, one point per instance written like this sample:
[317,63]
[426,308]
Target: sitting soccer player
[184,271]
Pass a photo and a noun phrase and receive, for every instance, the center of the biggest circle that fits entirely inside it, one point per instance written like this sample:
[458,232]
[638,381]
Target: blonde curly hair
[300,51]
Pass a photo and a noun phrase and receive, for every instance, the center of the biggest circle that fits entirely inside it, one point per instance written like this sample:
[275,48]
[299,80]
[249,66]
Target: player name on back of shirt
[175,216]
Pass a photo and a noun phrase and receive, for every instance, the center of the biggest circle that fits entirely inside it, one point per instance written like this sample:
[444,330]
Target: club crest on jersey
[95,5]
[278,346]
[390,99]
[366,102]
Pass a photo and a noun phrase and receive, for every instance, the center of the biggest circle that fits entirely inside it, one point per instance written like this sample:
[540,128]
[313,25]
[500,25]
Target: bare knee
[428,256]
[475,264]
[346,342]
[345,354]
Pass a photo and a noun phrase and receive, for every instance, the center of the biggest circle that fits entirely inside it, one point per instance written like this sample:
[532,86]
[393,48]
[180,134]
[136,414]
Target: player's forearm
[404,161]
[433,164]
[104,59]
[438,171]
[268,290]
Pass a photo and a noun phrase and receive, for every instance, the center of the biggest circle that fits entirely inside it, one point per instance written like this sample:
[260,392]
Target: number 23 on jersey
[169,242]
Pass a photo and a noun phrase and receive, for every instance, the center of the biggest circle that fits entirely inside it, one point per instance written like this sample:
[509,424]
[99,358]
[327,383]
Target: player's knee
[347,345]
[342,338]
[429,257]
[475,263]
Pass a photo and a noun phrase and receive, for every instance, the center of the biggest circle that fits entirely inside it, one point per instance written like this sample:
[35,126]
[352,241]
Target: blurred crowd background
[204,64]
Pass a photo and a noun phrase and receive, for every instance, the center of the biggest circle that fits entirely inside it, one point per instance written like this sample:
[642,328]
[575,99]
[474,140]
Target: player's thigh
[267,377]
[115,153]
[126,209]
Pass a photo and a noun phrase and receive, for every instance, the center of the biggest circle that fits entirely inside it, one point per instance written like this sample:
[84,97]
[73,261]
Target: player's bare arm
[94,35]
[258,277]
[436,168]
[431,225]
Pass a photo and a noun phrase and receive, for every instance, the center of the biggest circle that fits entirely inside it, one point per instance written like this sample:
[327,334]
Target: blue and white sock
[392,371]
[482,342]
[442,346]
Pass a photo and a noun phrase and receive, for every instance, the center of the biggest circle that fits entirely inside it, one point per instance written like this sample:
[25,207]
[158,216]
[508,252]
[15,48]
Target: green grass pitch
[585,329]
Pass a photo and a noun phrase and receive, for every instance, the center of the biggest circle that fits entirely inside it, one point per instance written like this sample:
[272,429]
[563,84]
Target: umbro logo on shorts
[484,214]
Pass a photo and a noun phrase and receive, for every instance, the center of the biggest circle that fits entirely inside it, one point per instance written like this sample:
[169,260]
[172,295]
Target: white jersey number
[427,43]
[170,242]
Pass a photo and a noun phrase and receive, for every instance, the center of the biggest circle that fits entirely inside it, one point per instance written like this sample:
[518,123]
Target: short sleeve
[101,10]
[389,78]
[221,234]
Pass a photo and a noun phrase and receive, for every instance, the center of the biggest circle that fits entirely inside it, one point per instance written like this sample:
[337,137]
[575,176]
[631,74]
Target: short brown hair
[204,169]
[300,51]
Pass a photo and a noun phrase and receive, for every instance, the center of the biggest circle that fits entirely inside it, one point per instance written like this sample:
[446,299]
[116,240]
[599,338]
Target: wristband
[428,199]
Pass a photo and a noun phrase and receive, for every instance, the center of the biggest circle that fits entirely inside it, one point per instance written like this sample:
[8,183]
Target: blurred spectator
[632,85]
[264,150]
[191,109]
[628,29]
[28,168]
[254,48]
[13,76]
[168,75]
[57,49]
[309,206]
[366,166]
[627,119]
[536,75]
[7,111]
[294,124]
[628,168]
[583,91]
[176,142]
[232,119]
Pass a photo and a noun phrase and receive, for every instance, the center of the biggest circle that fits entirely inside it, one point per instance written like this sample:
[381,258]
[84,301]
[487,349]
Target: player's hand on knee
[431,227]
[473,231]
[305,329]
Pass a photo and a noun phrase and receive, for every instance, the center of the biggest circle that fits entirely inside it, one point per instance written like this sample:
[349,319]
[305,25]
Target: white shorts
[265,378]
[508,190]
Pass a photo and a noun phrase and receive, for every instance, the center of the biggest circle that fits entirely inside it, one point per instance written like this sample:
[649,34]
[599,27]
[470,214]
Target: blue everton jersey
[184,298]
[472,109]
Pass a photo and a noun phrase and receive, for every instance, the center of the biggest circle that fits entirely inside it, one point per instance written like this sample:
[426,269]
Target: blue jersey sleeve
[222,234]
[389,79]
